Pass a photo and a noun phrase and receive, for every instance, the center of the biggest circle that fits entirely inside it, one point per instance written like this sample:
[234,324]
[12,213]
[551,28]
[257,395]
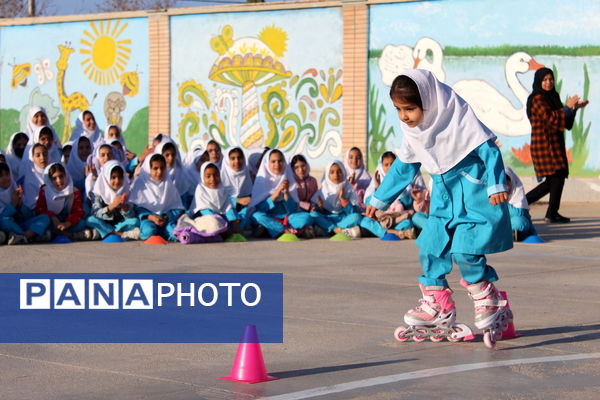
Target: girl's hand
[286,186]
[116,203]
[129,155]
[63,226]
[352,178]
[319,202]
[244,201]
[17,195]
[55,222]
[340,194]
[498,198]
[370,212]
[572,101]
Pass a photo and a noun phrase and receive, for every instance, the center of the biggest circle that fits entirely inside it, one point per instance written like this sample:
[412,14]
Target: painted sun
[106,55]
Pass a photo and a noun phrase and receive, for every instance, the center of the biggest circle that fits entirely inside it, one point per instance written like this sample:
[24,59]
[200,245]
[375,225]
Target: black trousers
[553,184]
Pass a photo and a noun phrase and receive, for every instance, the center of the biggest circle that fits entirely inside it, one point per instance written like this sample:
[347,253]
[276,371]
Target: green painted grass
[507,50]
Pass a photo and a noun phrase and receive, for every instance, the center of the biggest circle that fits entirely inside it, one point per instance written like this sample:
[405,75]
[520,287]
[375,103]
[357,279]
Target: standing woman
[549,119]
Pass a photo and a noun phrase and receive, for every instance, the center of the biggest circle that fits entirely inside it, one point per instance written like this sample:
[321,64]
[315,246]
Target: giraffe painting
[68,103]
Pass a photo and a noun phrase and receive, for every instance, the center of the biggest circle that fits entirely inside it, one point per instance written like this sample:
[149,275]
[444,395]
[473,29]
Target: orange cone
[156,239]
[510,332]
[249,365]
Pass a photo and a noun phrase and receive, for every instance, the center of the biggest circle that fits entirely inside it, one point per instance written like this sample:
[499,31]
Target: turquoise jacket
[460,213]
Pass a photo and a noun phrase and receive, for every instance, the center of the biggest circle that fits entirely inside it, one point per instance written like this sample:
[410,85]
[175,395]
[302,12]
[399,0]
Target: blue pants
[275,228]
[376,229]
[523,225]
[149,228]
[78,227]
[328,222]
[473,268]
[37,224]
[105,228]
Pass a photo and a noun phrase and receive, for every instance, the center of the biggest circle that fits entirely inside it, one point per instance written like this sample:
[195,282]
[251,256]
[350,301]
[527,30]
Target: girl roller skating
[468,213]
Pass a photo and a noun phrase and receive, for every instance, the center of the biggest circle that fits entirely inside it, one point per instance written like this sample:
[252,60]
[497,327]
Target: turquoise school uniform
[269,213]
[20,219]
[462,225]
[520,221]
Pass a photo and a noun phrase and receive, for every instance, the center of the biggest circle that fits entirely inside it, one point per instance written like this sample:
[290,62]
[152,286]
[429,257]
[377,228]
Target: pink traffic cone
[510,332]
[249,365]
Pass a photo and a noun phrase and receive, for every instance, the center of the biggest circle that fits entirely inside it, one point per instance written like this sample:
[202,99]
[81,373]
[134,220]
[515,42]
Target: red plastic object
[156,239]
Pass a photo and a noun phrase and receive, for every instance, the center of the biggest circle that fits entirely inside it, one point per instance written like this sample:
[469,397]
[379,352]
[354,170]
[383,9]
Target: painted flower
[523,154]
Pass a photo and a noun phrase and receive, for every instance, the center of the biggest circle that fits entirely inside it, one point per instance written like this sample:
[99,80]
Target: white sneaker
[91,234]
[133,234]
[13,238]
[352,233]
[2,237]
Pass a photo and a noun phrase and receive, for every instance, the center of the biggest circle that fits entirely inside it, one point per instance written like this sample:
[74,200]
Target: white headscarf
[54,152]
[11,157]
[56,199]
[62,158]
[266,182]
[31,127]
[517,197]
[217,200]
[449,131]
[6,194]
[239,181]
[76,166]
[363,179]
[381,173]
[177,172]
[94,159]
[329,190]
[33,178]
[119,153]
[156,197]
[102,186]
[95,135]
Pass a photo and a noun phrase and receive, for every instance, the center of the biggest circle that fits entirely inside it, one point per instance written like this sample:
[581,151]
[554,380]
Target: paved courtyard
[342,302]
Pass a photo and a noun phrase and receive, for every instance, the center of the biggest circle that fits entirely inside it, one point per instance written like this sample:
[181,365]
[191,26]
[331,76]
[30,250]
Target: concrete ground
[343,301]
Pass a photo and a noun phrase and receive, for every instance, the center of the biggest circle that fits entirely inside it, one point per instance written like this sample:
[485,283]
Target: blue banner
[139,308]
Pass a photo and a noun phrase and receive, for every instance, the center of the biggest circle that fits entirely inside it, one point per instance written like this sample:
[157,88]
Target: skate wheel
[453,339]
[399,334]
[420,335]
[436,338]
[489,339]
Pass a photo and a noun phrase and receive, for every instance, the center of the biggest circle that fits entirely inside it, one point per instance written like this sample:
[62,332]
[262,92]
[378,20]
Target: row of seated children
[101,188]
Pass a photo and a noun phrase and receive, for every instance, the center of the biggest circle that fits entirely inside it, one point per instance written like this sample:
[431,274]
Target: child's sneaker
[90,234]
[488,302]
[352,233]
[2,237]
[133,234]
[436,307]
[13,238]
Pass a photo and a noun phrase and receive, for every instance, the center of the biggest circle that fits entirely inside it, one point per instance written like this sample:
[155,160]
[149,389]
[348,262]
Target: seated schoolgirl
[126,157]
[184,183]
[100,156]
[15,151]
[336,203]
[212,197]
[518,207]
[235,175]
[157,202]
[213,150]
[275,198]
[357,174]
[60,200]
[397,218]
[86,125]
[32,174]
[76,166]
[112,213]
[45,135]
[307,185]
[17,221]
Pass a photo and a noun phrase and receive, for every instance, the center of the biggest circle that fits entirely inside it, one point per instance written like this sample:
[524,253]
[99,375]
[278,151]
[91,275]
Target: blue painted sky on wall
[551,22]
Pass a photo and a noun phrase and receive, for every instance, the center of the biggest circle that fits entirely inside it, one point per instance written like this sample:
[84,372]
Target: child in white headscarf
[336,203]
[37,118]
[60,200]
[86,125]
[95,162]
[212,197]
[518,207]
[357,174]
[112,213]
[19,222]
[126,157]
[15,151]
[32,174]
[158,204]
[468,213]
[397,218]
[78,161]
[274,197]
[43,135]
[175,169]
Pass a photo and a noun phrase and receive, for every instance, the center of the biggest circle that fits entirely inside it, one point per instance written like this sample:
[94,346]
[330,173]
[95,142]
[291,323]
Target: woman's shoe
[557,219]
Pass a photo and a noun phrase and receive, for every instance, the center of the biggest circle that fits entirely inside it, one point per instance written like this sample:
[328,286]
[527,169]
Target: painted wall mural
[488,54]
[70,67]
[259,79]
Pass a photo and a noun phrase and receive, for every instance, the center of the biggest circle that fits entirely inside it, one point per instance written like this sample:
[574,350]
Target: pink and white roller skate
[491,312]
[433,318]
